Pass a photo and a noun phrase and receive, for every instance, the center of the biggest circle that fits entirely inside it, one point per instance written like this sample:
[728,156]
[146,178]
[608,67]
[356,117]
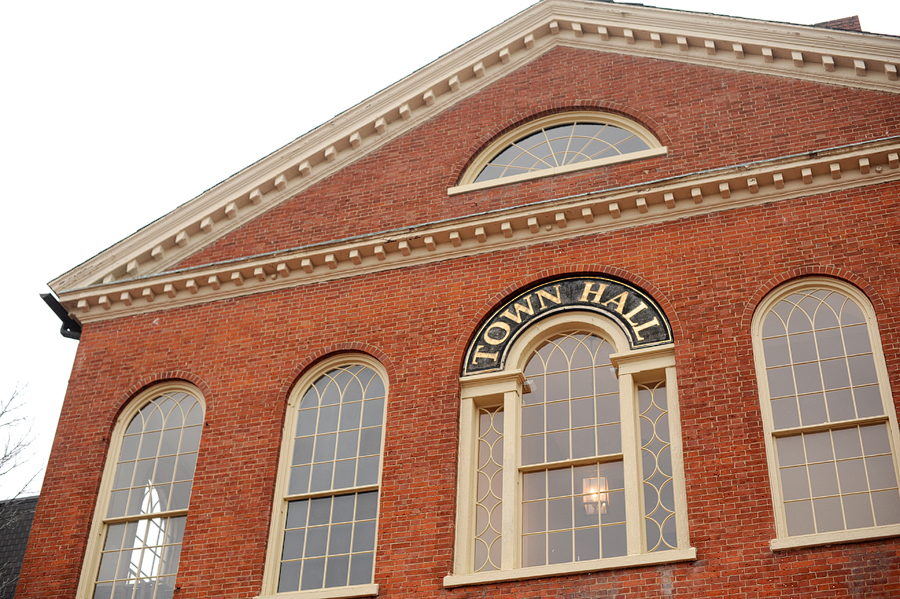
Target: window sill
[360,590]
[628,561]
[559,170]
[831,538]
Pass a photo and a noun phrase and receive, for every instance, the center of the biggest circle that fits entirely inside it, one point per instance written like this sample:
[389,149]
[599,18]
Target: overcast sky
[114,113]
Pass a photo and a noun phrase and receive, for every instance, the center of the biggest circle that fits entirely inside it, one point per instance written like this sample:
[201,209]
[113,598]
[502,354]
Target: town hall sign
[634,311]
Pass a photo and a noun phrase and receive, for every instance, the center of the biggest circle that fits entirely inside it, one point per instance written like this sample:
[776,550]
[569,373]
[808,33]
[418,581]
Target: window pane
[361,568]
[559,547]
[799,518]
[812,409]
[858,511]
[828,512]
[614,540]
[785,413]
[862,370]
[587,544]
[887,507]
[534,550]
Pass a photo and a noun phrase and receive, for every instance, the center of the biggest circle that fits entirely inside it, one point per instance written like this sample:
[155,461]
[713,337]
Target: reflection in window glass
[570,411]
[153,474]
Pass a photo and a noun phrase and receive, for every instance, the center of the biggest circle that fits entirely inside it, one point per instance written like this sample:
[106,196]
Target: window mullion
[511,500]
[331,493]
[149,516]
[681,518]
[634,517]
[829,426]
[466,490]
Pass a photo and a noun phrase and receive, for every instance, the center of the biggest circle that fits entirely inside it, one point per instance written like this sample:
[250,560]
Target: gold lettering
[497,325]
[519,308]
[589,290]
[543,294]
[482,355]
[619,300]
[637,330]
[633,312]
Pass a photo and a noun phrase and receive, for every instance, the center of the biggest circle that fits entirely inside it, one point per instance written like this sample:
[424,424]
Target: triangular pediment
[133,270]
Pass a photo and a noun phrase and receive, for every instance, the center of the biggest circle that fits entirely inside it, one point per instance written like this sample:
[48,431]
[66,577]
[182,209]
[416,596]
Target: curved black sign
[634,311]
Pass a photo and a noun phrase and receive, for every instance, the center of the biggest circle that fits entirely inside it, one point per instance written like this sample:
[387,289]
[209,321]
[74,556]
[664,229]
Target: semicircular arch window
[558,144]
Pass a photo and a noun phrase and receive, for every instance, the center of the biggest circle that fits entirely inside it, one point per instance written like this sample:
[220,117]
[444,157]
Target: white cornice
[857,60]
[540,222]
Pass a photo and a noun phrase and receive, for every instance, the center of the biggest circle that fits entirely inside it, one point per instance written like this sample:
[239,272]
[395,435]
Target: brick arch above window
[556,144]
[174,377]
[832,272]
[327,353]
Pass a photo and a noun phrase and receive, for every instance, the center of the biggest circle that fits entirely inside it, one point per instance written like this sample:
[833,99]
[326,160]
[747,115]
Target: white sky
[114,113]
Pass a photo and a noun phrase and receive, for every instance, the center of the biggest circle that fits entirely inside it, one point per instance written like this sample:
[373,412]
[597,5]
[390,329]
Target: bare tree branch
[15,443]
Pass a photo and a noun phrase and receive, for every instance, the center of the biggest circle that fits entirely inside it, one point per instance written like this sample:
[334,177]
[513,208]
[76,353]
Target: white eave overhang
[705,192]
[851,59]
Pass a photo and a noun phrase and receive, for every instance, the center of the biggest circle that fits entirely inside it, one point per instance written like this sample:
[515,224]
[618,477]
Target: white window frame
[505,388]
[782,540]
[99,522]
[467,181]
[279,509]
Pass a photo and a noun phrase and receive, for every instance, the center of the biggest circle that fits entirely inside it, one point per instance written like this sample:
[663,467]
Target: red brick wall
[846,24]
[707,271]
[707,117]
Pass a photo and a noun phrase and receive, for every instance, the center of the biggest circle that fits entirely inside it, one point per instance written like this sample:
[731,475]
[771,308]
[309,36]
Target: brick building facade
[749,179]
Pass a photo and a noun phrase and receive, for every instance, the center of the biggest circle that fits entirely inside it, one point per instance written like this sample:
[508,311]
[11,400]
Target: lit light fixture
[596,495]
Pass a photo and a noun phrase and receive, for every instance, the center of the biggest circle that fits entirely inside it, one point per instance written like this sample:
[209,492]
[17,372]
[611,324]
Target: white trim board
[550,220]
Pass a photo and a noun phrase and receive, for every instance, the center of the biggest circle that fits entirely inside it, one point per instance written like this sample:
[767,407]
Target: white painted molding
[551,220]
[360,590]
[661,557]
[838,536]
[863,61]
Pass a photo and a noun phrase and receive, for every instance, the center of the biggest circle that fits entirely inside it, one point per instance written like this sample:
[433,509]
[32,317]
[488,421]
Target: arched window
[138,529]
[557,144]
[326,509]
[831,428]
[570,456]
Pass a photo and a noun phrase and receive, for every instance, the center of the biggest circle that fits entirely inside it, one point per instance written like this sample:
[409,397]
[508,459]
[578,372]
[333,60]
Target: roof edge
[704,192]
[860,60]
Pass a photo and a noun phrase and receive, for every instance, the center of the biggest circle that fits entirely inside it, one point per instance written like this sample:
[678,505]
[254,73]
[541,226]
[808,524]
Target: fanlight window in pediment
[558,144]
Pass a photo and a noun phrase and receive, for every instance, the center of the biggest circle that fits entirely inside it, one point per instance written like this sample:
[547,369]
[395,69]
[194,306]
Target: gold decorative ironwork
[489,503]
[656,461]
